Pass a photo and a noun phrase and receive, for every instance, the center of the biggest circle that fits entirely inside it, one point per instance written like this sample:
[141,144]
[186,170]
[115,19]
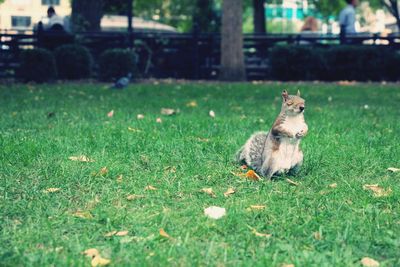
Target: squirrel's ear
[285,95]
[298,92]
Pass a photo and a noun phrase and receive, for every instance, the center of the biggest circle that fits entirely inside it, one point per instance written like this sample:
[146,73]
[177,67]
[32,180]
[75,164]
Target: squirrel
[278,151]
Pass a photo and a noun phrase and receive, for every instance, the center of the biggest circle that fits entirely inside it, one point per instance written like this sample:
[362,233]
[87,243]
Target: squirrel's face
[292,104]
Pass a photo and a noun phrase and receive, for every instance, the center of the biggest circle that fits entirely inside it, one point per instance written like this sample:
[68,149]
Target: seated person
[55,23]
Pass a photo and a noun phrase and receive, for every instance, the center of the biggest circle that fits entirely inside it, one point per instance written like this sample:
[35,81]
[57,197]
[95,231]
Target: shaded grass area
[352,140]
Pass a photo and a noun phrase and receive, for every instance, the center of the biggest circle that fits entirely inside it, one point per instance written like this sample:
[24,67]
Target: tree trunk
[259,16]
[232,57]
[86,14]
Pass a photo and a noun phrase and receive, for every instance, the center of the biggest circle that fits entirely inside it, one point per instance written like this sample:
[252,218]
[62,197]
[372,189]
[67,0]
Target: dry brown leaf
[91,252]
[150,187]
[211,113]
[292,182]
[103,171]
[121,233]
[203,139]
[334,185]
[133,197]
[391,169]
[317,235]
[287,265]
[159,120]
[140,116]
[252,175]
[377,190]
[119,178]
[230,191]
[81,158]
[260,234]
[52,190]
[110,114]
[164,234]
[99,261]
[209,191]
[134,130]
[83,214]
[110,233]
[257,207]
[191,104]
[368,262]
[168,111]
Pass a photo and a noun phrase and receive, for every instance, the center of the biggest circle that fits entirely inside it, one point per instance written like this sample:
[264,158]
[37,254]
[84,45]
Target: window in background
[20,21]
[50,2]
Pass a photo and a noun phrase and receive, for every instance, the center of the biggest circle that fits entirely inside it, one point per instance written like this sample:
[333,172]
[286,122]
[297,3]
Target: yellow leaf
[99,261]
[81,158]
[133,197]
[110,114]
[261,234]
[119,178]
[252,175]
[103,171]
[150,187]
[110,233]
[52,190]
[140,116]
[91,252]
[334,185]
[377,190]
[134,130]
[230,191]
[209,191]
[164,234]
[121,233]
[287,265]
[317,235]
[83,214]
[191,104]
[292,182]
[257,207]
[368,262]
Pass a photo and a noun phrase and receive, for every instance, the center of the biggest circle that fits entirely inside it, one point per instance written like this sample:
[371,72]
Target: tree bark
[259,16]
[232,57]
[87,14]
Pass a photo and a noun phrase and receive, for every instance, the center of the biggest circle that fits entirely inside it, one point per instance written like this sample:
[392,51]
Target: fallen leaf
[377,190]
[287,265]
[110,114]
[159,120]
[203,139]
[317,235]
[103,171]
[119,178]
[168,111]
[209,191]
[191,104]
[230,191]
[83,214]
[257,207]
[140,116]
[164,234]
[91,252]
[110,233]
[52,190]
[99,261]
[368,262]
[121,233]
[133,197]
[260,234]
[211,113]
[334,185]
[391,169]
[292,182]
[252,175]
[81,158]
[134,130]
[214,212]
[150,187]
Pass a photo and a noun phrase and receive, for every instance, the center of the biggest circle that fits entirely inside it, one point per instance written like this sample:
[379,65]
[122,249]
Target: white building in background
[22,15]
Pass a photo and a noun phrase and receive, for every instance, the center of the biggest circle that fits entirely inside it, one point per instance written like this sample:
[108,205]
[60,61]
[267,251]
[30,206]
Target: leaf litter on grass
[209,191]
[391,169]
[229,192]
[97,259]
[377,190]
[369,262]
[52,190]
[81,158]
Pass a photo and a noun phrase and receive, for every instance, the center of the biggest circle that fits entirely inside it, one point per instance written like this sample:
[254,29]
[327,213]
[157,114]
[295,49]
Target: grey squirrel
[278,151]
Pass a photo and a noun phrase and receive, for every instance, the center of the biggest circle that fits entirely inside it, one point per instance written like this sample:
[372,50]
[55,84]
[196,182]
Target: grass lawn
[353,139]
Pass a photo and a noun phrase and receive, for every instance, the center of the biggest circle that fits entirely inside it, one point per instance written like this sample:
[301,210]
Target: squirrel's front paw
[300,134]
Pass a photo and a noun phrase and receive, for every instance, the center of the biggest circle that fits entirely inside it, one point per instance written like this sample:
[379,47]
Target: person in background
[347,19]
[309,30]
[55,22]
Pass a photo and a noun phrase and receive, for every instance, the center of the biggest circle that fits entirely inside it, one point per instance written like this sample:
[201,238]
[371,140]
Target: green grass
[347,144]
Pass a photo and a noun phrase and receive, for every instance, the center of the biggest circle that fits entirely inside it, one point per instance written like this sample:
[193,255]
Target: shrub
[115,63]
[73,62]
[37,65]
[362,63]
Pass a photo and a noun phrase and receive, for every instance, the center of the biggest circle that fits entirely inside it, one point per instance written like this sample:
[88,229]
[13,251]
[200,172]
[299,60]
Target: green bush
[115,63]
[73,62]
[37,65]
[361,63]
